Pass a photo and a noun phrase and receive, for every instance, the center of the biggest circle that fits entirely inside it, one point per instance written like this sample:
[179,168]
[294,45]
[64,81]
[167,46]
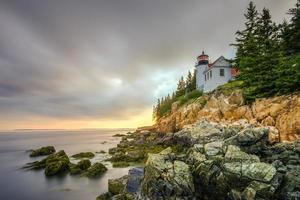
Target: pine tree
[180,87]
[194,86]
[292,33]
[189,82]
[261,80]
[246,42]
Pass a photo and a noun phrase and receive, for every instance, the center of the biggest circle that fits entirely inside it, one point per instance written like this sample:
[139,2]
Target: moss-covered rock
[123,196]
[101,151]
[56,163]
[84,164]
[117,186]
[56,167]
[83,155]
[43,151]
[80,167]
[234,154]
[253,171]
[95,170]
[104,196]
[74,169]
[120,164]
[165,178]
[258,190]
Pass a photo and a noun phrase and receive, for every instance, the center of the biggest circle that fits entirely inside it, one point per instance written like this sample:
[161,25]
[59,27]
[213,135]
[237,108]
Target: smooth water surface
[16,183]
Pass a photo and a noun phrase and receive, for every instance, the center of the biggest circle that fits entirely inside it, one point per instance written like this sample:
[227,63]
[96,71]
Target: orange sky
[142,119]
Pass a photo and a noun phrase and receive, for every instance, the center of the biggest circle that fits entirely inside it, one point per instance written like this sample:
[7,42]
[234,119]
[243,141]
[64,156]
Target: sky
[69,64]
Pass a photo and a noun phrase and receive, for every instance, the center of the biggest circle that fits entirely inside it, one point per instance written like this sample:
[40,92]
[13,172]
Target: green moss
[43,151]
[84,164]
[95,170]
[116,186]
[104,196]
[124,197]
[56,168]
[229,87]
[120,164]
[74,169]
[56,163]
[83,155]
[102,152]
[53,164]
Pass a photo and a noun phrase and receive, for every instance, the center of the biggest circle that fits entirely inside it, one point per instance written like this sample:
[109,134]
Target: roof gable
[221,61]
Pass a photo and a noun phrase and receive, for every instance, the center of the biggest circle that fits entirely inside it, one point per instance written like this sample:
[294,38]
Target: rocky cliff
[281,114]
[209,160]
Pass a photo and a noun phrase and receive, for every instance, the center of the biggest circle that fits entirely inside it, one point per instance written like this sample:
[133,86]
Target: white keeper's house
[211,75]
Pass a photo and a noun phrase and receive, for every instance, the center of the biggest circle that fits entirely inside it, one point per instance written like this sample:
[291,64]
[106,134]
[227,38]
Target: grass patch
[229,87]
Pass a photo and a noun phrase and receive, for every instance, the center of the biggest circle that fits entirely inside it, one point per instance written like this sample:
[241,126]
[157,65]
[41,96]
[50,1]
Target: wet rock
[117,186]
[291,185]
[56,163]
[214,148]
[83,155]
[135,177]
[165,178]
[84,164]
[249,136]
[74,169]
[254,171]
[104,196]
[234,195]
[234,154]
[120,164]
[43,151]
[95,170]
[123,196]
[258,190]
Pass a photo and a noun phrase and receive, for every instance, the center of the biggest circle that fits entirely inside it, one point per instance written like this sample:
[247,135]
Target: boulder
[135,177]
[95,170]
[234,154]
[291,185]
[80,167]
[104,196]
[83,155]
[43,151]
[74,169]
[251,136]
[117,186]
[165,178]
[214,148]
[258,190]
[252,171]
[84,164]
[56,163]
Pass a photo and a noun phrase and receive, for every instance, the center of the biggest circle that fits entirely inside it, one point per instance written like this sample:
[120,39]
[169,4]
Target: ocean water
[17,183]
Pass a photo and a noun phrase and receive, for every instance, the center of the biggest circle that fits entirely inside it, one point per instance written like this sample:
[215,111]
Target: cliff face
[281,114]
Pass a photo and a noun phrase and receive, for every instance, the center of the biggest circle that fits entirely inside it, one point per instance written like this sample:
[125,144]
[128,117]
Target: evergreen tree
[292,32]
[189,82]
[246,42]
[261,78]
[180,87]
[194,85]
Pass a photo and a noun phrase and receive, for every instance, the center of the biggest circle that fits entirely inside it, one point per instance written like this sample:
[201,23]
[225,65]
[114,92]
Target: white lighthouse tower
[201,66]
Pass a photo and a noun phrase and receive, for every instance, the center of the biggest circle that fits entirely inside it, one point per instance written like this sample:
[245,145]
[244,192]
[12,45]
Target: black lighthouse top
[202,59]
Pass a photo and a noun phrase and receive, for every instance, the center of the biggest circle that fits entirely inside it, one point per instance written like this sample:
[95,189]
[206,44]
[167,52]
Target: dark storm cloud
[107,59]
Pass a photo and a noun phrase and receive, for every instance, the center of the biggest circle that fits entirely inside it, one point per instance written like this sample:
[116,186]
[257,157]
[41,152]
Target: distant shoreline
[86,129]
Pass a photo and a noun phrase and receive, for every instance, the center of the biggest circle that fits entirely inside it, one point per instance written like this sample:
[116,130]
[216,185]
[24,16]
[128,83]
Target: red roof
[234,72]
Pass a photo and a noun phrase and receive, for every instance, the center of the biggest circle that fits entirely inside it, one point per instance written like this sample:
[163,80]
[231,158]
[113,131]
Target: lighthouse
[201,66]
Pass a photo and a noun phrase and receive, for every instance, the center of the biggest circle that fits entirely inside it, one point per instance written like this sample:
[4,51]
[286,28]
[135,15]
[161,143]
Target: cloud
[103,60]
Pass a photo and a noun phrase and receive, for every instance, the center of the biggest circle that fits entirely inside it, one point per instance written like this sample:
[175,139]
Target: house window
[221,72]
[210,74]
